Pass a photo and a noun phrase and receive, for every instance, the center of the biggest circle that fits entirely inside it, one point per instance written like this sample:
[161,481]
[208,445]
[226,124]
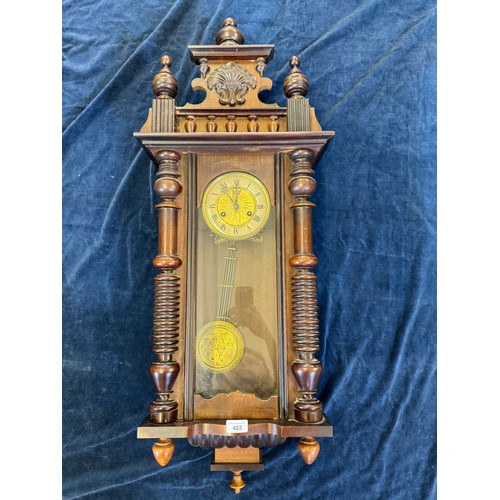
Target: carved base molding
[207,441]
[276,427]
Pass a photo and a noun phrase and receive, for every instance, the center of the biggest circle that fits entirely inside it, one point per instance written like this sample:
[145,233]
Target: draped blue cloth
[372,71]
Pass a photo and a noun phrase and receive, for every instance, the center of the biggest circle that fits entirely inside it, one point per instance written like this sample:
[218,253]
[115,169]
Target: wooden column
[167,289]
[296,86]
[306,368]
[163,107]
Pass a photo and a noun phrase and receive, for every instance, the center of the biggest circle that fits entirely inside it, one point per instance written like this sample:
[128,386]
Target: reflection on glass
[236,323]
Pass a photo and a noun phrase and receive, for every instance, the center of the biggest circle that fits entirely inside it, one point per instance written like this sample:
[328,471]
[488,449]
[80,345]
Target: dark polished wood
[164,83]
[208,441]
[163,107]
[306,368]
[242,142]
[233,130]
[229,34]
[237,465]
[296,83]
[224,53]
[284,428]
[166,314]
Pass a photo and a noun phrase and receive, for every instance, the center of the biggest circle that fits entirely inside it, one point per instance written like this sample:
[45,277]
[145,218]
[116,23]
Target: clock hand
[231,199]
[236,205]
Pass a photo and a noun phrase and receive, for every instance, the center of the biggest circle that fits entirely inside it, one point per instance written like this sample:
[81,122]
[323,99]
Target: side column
[167,289]
[305,325]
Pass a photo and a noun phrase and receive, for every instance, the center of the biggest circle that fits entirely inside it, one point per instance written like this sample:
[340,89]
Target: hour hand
[233,199]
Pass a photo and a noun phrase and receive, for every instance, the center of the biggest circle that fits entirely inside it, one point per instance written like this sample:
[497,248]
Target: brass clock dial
[236,205]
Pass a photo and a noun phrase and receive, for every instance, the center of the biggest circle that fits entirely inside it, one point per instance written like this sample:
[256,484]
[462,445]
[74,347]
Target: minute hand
[236,205]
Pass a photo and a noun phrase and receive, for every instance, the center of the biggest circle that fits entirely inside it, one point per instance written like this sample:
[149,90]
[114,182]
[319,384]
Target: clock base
[237,460]
[200,432]
[236,452]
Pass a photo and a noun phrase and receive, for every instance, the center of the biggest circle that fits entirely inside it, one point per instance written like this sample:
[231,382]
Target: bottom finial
[163,449]
[308,449]
[237,482]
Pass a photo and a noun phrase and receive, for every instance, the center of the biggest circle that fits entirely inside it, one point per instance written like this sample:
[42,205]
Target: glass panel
[236,313]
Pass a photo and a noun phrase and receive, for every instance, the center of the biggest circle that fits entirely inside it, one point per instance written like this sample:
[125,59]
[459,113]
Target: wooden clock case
[233,130]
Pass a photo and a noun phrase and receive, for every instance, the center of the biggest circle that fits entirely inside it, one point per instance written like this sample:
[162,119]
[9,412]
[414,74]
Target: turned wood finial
[164,83]
[308,449]
[190,124]
[163,449]
[229,34]
[237,482]
[296,83]
[231,125]
[253,126]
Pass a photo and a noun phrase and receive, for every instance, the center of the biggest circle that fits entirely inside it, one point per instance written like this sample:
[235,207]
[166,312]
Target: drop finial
[164,83]
[296,83]
[237,482]
[229,34]
[308,449]
[163,449]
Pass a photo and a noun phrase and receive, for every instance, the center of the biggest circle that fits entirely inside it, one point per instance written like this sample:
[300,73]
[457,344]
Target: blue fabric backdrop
[372,71]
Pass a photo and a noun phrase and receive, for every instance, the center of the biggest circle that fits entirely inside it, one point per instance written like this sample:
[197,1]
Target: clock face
[236,205]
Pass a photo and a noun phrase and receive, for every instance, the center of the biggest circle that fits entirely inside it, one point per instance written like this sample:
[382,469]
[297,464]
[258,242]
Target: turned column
[167,289]
[165,87]
[296,86]
[305,327]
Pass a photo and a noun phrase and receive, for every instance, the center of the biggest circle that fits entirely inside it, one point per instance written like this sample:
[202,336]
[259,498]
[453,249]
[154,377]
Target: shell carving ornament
[231,82]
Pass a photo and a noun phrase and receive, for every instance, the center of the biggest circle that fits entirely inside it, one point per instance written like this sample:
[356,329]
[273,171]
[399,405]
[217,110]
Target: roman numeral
[260,207]
[214,217]
[256,218]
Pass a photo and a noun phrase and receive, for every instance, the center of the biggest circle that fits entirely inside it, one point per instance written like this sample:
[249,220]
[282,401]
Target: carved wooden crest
[232,83]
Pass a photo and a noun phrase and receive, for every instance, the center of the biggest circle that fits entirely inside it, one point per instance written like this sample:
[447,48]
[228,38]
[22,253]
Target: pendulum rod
[227,284]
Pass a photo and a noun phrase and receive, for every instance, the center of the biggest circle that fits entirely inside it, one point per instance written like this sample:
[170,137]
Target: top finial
[296,83]
[166,61]
[229,34]
[164,83]
[294,62]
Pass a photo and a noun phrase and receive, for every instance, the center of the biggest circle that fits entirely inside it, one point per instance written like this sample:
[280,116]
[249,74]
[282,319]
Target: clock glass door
[236,338]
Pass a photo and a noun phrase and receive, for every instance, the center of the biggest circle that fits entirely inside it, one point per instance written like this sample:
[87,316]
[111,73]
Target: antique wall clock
[235,326]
